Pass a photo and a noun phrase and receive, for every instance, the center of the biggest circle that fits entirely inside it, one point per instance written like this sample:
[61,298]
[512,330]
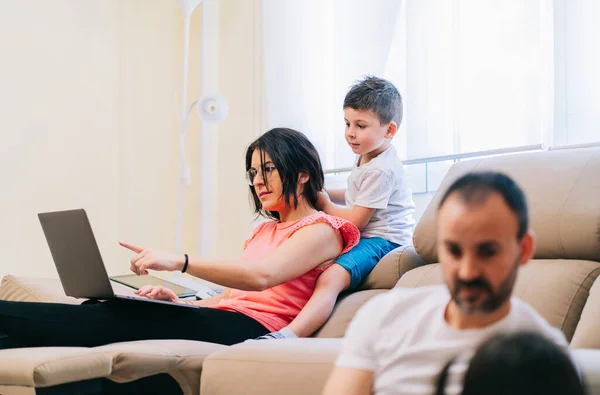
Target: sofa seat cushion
[49,366]
[133,360]
[287,366]
[119,362]
[557,289]
[182,359]
[344,311]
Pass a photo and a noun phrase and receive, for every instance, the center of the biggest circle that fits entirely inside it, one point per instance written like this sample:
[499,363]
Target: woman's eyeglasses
[265,174]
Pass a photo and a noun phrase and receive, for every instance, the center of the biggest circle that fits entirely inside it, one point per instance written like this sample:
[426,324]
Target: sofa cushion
[50,290]
[49,366]
[557,289]
[343,313]
[286,366]
[136,359]
[391,267]
[182,359]
[562,192]
[120,362]
[587,333]
[32,289]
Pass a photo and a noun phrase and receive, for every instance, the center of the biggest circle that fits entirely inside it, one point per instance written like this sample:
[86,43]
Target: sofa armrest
[288,366]
[50,366]
[588,361]
[50,290]
[302,366]
[588,327]
[391,267]
[32,289]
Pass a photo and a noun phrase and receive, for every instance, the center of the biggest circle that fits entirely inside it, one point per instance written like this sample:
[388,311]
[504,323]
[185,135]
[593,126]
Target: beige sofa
[563,189]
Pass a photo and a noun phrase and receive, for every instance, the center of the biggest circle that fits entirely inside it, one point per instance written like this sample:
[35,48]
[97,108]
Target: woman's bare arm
[212,301]
[306,249]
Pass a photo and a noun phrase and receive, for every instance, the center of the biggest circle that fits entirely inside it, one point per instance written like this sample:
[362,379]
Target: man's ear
[527,247]
[391,130]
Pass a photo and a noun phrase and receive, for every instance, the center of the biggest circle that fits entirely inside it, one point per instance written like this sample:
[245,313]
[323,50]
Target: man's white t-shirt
[403,338]
[381,184]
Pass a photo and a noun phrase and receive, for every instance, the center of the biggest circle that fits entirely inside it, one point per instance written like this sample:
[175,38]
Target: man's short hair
[377,95]
[474,188]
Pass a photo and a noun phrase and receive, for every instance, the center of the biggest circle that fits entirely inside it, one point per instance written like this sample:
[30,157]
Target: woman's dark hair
[518,364]
[292,153]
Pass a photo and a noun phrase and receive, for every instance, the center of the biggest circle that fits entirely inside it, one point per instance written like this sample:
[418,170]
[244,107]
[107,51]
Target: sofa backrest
[557,289]
[563,192]
[391,267]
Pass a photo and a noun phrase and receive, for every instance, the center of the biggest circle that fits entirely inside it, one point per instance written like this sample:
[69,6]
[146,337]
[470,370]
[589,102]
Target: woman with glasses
[266,287]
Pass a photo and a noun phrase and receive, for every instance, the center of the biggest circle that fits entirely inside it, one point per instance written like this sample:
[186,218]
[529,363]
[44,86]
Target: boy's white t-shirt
[403,338]
[381,184]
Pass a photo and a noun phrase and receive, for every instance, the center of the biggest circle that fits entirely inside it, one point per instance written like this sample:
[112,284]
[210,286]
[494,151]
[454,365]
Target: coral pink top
[276,307]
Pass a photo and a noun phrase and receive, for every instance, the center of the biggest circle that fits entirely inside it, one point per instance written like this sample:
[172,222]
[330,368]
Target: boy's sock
[285,333]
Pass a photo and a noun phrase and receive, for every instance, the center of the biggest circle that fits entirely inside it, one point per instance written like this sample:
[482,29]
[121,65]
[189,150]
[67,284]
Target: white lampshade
[188,6]
[213,108]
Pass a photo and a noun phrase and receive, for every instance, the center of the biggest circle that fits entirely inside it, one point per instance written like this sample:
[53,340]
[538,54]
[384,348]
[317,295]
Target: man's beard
[495,298]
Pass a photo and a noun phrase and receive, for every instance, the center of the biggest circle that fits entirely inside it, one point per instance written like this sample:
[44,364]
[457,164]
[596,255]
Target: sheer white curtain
[475,75]
[313,51]
[577,75]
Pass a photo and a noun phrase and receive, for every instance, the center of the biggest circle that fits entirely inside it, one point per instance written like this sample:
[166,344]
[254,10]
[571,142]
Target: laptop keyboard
[156,301]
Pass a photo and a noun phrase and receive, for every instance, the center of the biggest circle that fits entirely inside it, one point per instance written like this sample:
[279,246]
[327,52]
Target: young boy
[377,200]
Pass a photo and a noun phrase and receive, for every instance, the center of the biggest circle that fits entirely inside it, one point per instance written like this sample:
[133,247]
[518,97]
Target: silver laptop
[77,257]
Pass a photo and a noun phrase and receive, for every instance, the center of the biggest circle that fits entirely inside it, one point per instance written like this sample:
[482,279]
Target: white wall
[240,79]
[87,120]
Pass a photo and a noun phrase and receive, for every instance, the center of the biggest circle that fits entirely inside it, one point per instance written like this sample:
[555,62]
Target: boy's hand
[323,200]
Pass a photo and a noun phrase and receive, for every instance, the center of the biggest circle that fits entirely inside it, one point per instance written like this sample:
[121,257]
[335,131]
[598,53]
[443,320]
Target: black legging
[26,324]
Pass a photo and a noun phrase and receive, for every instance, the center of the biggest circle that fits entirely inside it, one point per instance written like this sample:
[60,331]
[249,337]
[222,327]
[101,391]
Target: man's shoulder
[399,301]
[526,318]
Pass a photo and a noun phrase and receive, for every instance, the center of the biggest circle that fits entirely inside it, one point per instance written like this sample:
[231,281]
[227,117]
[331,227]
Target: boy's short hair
[377,95]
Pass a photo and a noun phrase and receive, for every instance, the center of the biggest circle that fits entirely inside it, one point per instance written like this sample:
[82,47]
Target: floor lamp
[211,108]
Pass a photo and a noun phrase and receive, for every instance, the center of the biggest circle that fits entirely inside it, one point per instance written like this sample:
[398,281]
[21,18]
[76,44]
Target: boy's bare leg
[334,280]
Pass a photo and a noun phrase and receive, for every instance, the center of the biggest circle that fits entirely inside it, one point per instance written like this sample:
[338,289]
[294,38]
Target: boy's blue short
[361,259]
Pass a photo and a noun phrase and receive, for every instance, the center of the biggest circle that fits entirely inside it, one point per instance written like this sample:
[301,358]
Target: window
[476,75]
